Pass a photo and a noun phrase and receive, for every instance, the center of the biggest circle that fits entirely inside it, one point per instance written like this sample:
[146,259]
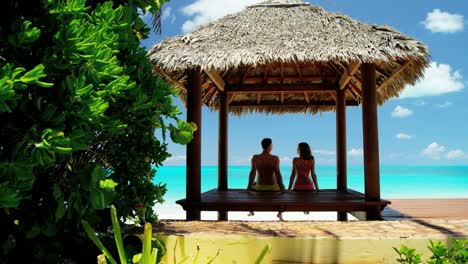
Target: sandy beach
[175,212]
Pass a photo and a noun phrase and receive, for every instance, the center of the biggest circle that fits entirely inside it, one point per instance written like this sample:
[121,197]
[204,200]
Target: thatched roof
[289,56]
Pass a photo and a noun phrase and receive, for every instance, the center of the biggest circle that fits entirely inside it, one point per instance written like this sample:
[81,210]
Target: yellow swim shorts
[267,188]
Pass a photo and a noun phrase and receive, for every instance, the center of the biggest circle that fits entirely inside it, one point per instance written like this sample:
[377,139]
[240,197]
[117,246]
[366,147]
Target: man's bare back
[266,166]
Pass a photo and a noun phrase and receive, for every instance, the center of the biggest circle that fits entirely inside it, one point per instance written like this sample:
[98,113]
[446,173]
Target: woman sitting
[303,177]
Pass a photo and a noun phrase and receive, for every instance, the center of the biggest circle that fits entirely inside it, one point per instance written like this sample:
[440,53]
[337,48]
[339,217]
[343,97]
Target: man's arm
[279,178]
[253,171]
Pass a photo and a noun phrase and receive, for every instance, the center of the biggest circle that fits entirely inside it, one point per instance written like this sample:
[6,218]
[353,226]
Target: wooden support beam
[280,91]
[216,79]
[370,139]
[286,87]
[194,114]
[223,149]
[265,73]
[281,72]
[259,98]
[208,93]
[282,97]
[355,89]
[333,95]
[278,79]
[298,69]
[169,79]
[351,92]
[231,97]
[352,68]
[395,73]
[341,161]
[306,96]
[246,73]
[341,151]
[290,103]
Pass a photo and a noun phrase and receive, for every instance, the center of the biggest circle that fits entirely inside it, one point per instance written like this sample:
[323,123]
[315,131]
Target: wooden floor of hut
[240,200]
[402,209]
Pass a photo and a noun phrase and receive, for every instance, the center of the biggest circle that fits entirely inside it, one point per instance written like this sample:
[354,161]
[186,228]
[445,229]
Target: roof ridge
[280,3]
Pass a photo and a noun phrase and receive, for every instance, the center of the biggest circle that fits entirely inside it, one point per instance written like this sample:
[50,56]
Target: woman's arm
[314,176]
[293,175]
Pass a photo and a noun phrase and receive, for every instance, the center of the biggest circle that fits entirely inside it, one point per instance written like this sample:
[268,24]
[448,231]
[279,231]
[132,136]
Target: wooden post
[341,163]
[194,114]
[370,139]
[223,149]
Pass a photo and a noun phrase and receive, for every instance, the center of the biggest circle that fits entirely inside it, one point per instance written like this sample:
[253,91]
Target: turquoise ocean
[396,181]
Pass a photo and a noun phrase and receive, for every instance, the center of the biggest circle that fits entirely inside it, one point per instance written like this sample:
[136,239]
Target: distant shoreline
[328,165]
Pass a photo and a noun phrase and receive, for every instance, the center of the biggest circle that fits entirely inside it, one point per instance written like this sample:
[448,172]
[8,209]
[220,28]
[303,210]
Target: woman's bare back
[304,168]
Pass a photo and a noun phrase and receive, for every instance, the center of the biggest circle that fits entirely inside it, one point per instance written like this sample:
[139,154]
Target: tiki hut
[287,56]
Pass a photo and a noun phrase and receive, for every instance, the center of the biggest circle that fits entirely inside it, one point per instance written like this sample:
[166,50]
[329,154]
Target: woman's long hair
[304,151]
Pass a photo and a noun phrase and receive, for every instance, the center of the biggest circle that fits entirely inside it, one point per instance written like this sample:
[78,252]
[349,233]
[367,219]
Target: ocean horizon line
[327,165]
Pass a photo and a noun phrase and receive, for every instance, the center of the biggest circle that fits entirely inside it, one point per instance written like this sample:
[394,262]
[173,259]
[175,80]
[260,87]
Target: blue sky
[428,126]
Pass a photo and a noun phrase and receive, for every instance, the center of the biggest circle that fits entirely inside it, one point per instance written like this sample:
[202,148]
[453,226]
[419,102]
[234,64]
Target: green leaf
[89,231]
[60,211]
[118,235]
[263,253]
[9,198]
[136,258]
[63,150]
[183,134]
[101,199]
[146,253]
[33,75]
[107,184]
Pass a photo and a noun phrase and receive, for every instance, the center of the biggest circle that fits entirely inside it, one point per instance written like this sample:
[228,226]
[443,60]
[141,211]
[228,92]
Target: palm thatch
[288,56]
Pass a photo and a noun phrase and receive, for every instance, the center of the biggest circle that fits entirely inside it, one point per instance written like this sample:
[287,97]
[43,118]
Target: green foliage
[408,255]
[79,107]
[457,253]
[147,256]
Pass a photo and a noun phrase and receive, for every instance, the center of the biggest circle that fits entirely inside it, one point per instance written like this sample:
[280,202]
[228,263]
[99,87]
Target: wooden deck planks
[426,209]
[240,200]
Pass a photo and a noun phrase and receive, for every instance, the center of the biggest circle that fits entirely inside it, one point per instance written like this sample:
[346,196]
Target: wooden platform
[240,200]
[401,209]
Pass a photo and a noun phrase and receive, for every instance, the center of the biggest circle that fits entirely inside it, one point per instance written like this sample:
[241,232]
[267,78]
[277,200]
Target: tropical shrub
[79,107]
[151,251]
[456,253]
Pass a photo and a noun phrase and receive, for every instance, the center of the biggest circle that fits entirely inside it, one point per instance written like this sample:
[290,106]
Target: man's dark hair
[266,142]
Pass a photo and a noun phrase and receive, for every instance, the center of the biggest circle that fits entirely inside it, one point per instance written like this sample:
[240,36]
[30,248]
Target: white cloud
[403,136]
[241,160]
[401,112]
[356,152]
[445,104]
[456,154]
[204,11]
[324,152]
[325,161]
[438,79]
[433,150]
[439,21]
[176,160]
[168,15]
[285,159]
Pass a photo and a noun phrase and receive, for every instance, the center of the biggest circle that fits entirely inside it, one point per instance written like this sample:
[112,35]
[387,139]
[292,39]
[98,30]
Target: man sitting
[266,167]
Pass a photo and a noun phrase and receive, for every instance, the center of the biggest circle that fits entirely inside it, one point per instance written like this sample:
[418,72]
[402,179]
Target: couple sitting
[266,167]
